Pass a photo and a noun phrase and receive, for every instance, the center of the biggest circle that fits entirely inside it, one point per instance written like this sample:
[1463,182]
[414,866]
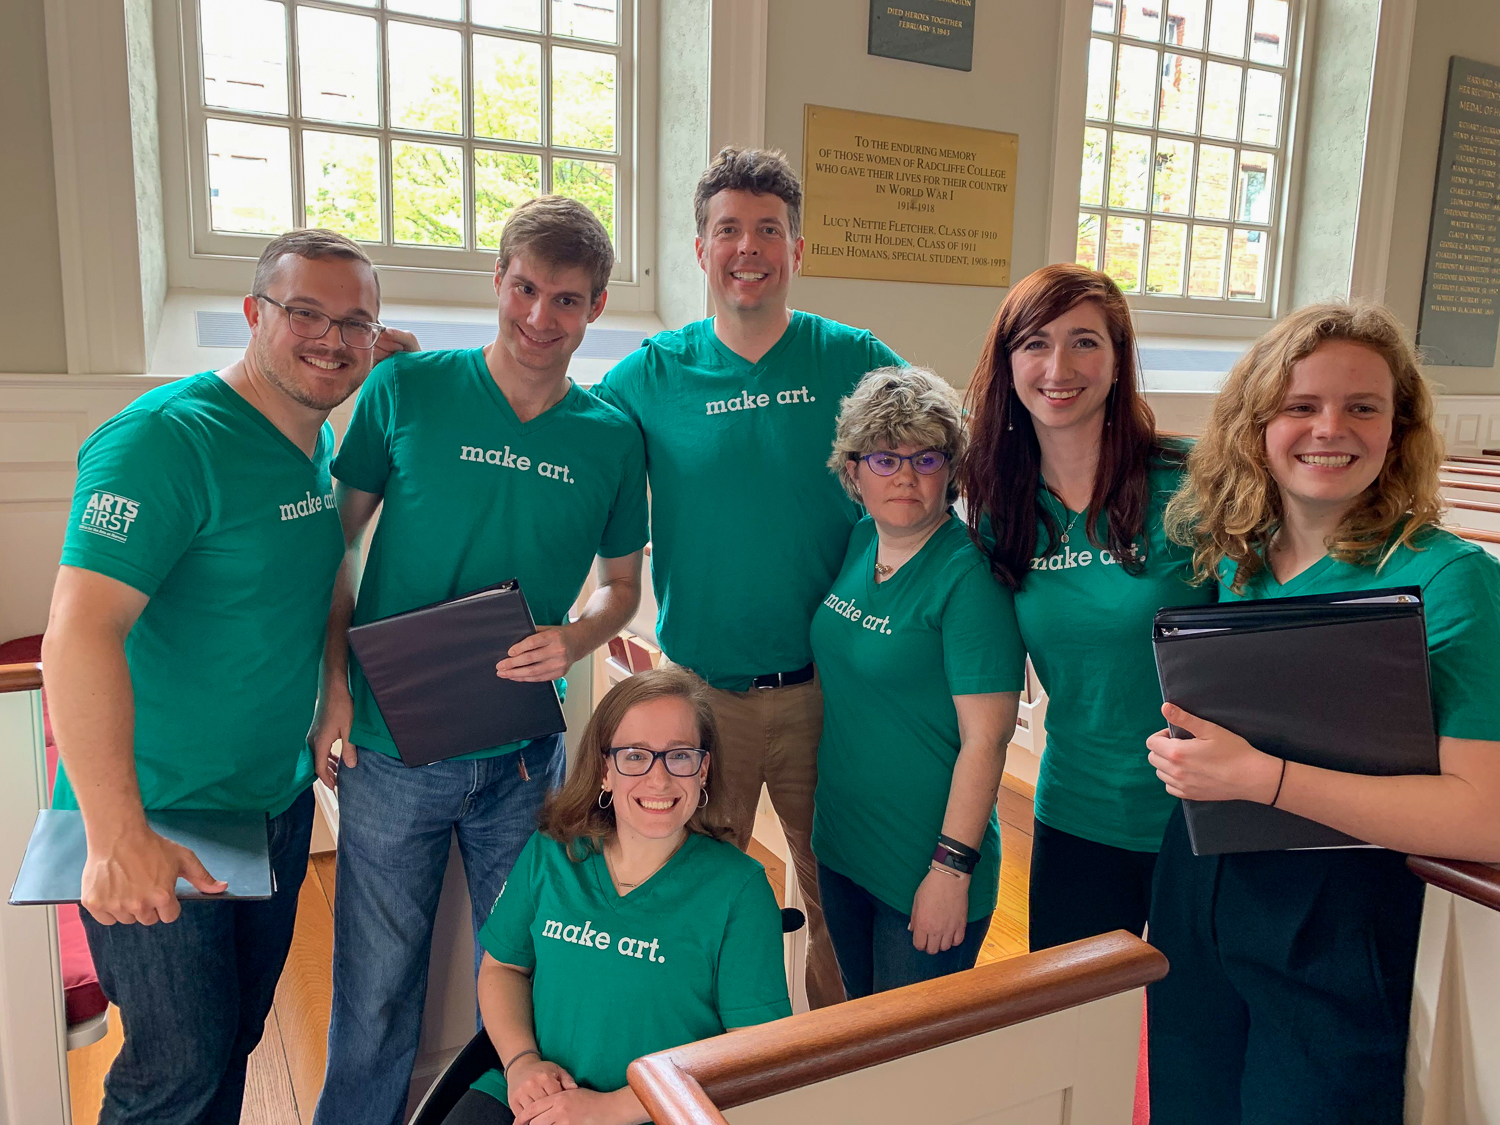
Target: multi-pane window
[415,125]
[1184,148]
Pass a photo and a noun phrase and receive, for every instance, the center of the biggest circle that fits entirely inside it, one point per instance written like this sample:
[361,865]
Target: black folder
[1338,681]
[232,845]
[432,671]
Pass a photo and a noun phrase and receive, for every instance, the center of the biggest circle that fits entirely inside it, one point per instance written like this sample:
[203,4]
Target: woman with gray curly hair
[922,665]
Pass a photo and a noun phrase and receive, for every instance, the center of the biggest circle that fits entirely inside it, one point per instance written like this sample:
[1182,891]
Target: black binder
[1338,681]
[432,671]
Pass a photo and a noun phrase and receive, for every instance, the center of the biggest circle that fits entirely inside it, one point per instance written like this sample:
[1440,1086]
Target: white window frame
[200,257]
[1162,315]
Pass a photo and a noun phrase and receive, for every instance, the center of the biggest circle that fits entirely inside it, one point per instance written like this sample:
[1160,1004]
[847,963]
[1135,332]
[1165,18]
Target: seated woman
[1291,981]
[627,925]
[922,665]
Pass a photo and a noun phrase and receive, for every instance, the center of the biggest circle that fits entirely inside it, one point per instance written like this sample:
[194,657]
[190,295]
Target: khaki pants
[771,736]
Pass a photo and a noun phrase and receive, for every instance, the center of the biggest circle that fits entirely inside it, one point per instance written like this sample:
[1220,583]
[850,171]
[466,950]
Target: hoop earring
[603,793]
[703,797]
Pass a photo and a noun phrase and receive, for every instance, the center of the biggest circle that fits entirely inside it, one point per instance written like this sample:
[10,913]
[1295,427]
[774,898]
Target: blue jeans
[874,946]
[395,824]
[194,994]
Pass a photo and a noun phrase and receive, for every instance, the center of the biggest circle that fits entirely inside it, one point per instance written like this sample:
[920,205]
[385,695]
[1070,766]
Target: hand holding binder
[1210,763]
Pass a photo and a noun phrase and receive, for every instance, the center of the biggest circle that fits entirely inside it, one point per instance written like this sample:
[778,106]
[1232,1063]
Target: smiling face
[544,310]
[1329,441]
[1063,370]
[748,252]
[318,374]
[656,805]
[907,501]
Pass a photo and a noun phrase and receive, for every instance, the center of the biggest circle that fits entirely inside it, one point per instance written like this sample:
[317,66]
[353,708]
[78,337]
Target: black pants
[1290,989]
[478,1108]
[1080,889]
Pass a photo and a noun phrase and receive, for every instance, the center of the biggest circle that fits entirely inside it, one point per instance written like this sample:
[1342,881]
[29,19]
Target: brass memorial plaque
[894,199]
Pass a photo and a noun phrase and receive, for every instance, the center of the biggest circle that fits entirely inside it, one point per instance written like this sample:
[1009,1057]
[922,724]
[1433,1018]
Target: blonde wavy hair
[1229,505]
[894,406]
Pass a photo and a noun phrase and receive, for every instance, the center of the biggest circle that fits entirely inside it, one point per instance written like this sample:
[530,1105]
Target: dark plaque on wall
[1461,293]
[935,32]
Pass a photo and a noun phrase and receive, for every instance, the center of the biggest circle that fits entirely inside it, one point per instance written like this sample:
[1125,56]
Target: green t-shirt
[691,953]
[473,496]
[748,526]
[1087,626]
[892,657]
[1460,584]
[194,498]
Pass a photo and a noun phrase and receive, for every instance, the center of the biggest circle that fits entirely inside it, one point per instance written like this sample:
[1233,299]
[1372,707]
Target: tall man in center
[487,464]
[748,525]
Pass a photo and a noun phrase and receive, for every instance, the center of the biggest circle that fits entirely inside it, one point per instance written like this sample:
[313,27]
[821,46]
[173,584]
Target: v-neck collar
[619,903]
[876,590]
[249,410]
[557,410]
[793,326]
[1302,578]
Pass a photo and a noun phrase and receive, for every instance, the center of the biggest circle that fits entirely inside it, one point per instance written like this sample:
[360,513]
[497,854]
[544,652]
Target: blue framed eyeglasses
[884,463]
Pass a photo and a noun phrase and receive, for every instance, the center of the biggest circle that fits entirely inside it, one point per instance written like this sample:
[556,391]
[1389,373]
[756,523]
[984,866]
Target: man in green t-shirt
[748,526]
[182,659]
[486,464]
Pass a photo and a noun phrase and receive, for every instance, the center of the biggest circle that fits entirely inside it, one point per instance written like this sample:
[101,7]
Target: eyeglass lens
[926,462]
[312,325]
[633,761]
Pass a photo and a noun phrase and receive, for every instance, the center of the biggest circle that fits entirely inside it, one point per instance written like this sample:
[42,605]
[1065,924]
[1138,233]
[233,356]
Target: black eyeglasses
[637,761]
[884,463]
[313,325]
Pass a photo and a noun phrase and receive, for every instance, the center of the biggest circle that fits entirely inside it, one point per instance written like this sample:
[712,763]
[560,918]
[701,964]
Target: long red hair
[1001,473]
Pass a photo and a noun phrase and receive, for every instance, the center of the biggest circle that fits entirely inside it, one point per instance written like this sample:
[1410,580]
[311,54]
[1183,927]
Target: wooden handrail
[1472,505]
[688,1085]
[20,677]
[1477,882]
[1472,460]
[1475,485]
[1473,533]
[1471,470]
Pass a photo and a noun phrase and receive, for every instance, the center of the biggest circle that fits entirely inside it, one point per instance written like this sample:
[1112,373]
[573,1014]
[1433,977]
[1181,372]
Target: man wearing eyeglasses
[182,658]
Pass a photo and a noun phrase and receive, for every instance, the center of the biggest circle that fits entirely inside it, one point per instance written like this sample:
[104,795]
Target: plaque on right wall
[1460,317]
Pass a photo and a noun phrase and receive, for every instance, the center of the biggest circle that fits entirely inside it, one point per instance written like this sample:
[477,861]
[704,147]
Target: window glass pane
[1091,185]
[1221,101]
[249,177]
[1206,266]
[502,181]
[1135,85]
[583,99]
[1129,171]
[1101,59]
[336,66]
[426,63]
[1247,259]
[524,15]
[1123,239]
[1262,106]
[507,89]
[1186,22]
[433,9]
[1268,32]
[244,54]
[1141,19]
[1254,196]
[427,183]
[1171,189]
[1165,258]
[1104,15]
[585,19]
[1215,181]
[1179,93]
[1088,240]
[341,183]
[592,183]
[1226,32]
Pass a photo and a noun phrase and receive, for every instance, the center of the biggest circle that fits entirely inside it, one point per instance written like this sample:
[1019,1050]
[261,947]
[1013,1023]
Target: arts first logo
[110,515]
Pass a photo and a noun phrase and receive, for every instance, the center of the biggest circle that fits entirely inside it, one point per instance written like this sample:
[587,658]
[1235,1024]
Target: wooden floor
[286,1070]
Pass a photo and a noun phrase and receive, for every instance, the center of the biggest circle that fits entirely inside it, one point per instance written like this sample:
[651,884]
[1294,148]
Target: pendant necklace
[1071,522]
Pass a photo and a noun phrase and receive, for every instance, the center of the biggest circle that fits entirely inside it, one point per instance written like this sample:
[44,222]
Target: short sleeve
[750,979]
[881,355]
[364,458]
[506,934]
[626,530]
[619,383]
[982,646]
[1463,642]
[140,500]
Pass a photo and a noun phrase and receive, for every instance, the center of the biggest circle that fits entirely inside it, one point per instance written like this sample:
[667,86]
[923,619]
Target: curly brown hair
[1229,505]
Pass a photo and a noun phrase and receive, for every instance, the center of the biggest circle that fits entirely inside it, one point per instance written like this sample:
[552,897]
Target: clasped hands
[543,1093]
[1214,764]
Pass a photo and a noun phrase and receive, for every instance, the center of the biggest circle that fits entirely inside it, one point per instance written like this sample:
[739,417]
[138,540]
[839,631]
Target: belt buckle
[769,687]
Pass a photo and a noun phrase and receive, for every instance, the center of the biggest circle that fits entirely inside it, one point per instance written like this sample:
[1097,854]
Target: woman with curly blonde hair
[1291,977]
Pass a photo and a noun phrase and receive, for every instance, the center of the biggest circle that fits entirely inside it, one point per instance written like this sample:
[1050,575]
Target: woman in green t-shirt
[1291,981]
[1066,484]
[628,925]
[921,669]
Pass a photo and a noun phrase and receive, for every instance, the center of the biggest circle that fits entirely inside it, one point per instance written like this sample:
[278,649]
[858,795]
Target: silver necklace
[1071,522]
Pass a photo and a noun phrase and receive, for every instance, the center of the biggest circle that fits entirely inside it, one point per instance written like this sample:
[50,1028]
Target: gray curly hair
[894,406]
